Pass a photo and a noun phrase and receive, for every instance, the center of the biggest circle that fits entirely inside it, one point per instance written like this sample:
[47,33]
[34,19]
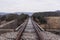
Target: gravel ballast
[8,36]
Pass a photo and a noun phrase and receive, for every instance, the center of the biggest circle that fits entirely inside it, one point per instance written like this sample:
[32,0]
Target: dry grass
[53,22]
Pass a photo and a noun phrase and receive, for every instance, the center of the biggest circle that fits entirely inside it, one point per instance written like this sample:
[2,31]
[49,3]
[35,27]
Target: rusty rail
[38,30]
[21,30]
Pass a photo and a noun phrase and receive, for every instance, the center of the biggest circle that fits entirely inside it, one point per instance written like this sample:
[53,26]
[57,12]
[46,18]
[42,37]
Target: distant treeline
[46,14]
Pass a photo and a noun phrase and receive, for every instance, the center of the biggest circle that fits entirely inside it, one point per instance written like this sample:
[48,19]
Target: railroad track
[29,31]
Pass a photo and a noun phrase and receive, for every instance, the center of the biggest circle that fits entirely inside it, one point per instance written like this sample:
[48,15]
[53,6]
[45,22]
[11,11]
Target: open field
[53,22]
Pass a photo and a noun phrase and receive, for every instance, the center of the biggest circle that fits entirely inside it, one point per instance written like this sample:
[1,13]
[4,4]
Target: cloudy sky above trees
[29,5]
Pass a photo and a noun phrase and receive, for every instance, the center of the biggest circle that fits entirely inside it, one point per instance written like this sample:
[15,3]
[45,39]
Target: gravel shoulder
[49,36]
[8,36]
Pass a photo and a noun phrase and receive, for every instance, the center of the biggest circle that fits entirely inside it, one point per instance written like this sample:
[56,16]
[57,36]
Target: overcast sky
[29,5]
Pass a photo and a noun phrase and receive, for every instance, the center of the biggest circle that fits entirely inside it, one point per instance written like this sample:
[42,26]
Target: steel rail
[36,27]
[21,30]
[38,30]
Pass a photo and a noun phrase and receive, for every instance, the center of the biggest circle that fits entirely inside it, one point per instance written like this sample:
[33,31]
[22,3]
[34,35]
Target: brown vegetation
[53,22]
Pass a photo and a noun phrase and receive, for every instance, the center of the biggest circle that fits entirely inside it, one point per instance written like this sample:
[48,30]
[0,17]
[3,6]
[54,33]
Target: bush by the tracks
[2,17]
[21,18]
[10,17]
[39,17]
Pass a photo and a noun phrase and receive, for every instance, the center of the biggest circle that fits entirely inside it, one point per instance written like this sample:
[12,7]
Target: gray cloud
[29,5]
